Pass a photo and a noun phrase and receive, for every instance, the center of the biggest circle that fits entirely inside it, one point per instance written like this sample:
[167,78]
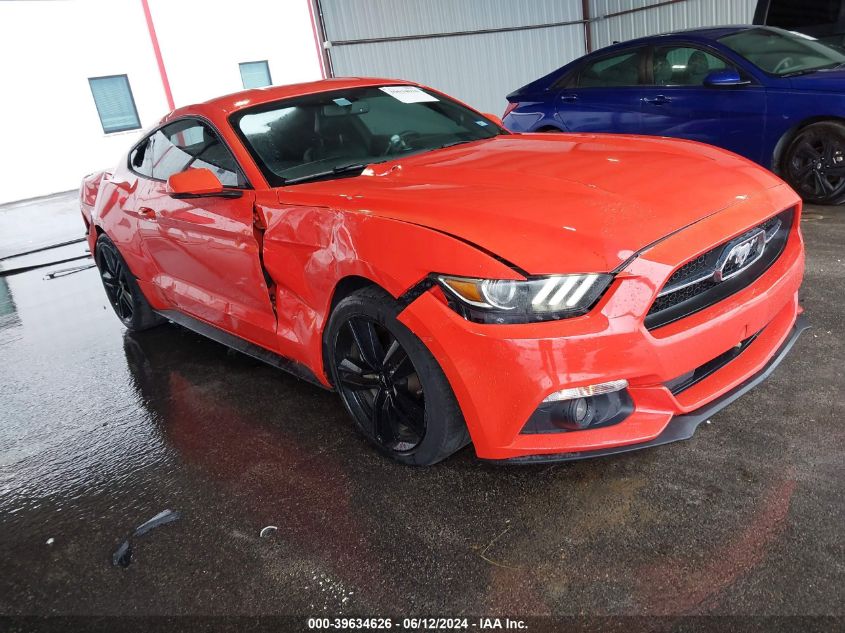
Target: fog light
[586,392]
[577,413]
[582,409]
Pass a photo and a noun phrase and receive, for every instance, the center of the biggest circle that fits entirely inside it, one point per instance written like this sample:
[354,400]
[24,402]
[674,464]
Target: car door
[678,103]
[603,95]
[205,248]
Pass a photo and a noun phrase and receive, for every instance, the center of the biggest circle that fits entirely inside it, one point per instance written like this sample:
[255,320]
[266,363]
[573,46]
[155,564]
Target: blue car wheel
[815,163]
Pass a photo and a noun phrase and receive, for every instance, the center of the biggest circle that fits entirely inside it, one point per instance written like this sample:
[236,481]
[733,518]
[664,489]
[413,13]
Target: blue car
[773,96]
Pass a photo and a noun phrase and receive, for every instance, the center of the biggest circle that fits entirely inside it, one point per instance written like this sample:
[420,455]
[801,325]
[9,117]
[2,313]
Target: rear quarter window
[141,158]
[618,70]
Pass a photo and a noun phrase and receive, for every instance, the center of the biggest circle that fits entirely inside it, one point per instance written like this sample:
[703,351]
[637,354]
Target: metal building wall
[686,14]
[479,68]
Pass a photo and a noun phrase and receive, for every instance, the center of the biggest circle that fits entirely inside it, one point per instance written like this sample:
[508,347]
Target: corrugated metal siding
[477,68]
[683,15]
[357,19]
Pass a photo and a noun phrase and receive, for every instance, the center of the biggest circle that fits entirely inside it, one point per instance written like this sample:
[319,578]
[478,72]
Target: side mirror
[497,120]
[198,183]
[726,77]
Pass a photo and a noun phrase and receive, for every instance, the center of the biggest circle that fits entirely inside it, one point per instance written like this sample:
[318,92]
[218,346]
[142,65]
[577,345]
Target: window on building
[255,74]
[115,104]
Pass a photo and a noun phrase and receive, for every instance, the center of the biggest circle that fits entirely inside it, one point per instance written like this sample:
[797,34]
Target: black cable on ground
[44,248]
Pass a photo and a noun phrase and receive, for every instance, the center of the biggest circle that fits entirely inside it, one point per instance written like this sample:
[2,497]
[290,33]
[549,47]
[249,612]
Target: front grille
[688,271]
[713,276]
[680,296]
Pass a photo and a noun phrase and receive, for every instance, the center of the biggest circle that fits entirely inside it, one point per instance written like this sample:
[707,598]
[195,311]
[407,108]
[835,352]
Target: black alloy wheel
[122,289]
[115,281]
[390,383]
[815,163]
[380,384]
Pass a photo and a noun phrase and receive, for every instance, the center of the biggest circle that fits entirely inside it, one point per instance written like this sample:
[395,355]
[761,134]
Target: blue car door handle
[658,100]
[569,98]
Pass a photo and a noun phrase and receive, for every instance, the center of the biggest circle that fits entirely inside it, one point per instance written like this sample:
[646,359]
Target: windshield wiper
[472,140]
[335,171]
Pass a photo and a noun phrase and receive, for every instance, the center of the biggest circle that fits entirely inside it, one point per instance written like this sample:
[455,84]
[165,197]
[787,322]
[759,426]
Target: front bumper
[501,373]
[681,427]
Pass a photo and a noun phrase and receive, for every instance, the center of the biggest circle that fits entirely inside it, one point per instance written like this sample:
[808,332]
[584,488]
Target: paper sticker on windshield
[408,94]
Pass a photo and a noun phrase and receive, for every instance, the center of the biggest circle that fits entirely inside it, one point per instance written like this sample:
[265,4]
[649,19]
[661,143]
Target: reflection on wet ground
[101,430]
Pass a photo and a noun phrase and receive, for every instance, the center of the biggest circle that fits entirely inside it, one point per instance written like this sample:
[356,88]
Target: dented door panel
[207,260]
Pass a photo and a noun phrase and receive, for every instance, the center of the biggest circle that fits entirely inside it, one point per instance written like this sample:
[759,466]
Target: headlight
[537,299]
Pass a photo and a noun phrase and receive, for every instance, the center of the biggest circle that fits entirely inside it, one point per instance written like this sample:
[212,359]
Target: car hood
[550,203]
[821,81]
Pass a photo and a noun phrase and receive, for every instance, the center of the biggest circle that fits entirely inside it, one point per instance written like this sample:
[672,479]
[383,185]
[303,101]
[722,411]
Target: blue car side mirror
[726,77]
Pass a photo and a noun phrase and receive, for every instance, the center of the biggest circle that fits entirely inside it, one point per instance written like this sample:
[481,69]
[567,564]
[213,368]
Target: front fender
[308,250]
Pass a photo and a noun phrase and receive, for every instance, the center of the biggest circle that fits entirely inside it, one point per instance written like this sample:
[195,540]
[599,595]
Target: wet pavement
[48,220]
[101,430]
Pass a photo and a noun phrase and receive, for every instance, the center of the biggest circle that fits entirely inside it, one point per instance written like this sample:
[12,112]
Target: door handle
[146,212]
[569,98]
[658,100]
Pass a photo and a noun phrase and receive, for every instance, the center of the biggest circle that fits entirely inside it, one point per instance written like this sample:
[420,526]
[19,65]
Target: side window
[141,158]
[683,65]
[189,143]
[616,71]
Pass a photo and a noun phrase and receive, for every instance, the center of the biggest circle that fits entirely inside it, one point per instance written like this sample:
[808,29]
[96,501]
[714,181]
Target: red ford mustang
[547,297]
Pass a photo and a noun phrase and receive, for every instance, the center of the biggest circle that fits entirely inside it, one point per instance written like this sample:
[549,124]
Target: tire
[814,163]
[391,385]
[122,290]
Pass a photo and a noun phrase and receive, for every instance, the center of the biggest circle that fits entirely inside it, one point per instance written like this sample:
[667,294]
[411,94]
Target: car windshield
[783,52]
[331,134]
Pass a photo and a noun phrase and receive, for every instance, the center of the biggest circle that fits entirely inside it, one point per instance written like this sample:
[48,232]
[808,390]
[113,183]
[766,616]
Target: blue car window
[782,52]
[683,65]
[616,71]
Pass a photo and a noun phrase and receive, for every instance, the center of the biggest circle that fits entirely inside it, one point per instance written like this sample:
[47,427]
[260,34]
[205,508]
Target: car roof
[706,33]
[235,101]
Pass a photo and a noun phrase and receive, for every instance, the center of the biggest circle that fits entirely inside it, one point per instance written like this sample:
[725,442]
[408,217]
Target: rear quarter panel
[534,112]
[114,214]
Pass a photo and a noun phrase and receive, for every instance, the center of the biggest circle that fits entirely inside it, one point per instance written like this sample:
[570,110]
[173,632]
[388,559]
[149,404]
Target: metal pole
[645,8]
[588,29]
[157,50]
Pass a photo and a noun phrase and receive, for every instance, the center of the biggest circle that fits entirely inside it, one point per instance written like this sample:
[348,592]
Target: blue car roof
[707,33]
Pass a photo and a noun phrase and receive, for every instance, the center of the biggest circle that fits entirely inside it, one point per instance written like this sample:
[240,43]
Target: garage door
[475,50]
